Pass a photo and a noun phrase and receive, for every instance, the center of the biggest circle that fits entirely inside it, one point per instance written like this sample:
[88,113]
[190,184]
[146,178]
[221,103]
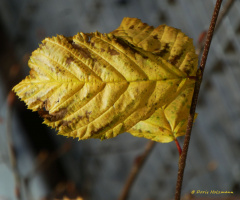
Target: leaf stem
[178,147]
[182,160]
[137,166]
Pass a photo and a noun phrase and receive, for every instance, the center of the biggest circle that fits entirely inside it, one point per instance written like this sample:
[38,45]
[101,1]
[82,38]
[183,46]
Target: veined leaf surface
[135,79]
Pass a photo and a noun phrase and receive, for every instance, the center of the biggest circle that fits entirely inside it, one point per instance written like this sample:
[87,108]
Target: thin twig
[11,147]
[139,161]
[42,164]
[222,14]
[182,160]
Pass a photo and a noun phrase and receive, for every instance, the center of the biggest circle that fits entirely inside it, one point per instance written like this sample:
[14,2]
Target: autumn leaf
[135,79]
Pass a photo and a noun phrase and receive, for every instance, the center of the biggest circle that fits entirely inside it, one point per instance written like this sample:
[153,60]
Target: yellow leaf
[135,79]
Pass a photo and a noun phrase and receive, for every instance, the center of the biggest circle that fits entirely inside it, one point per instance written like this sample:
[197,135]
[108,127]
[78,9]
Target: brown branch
[43,162]
[182,160]
[47,160]
[137,166]
[11,147]
[203,35]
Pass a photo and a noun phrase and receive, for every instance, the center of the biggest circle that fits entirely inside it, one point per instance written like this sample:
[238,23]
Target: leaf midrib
[121,81]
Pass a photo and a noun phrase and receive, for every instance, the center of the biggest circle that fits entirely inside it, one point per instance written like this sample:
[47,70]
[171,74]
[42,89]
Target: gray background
[97,169]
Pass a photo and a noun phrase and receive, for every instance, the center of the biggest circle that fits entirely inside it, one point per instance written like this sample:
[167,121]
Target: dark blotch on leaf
[105,127]
[164,51]
[83,51]
[42,45]
[183,95]
[187,71]
[161,129]
[69,60]
[131,27]
[43,113]
[54,116]
[113,52]
[65,123]
[175,59]
[93,132]
[87,114]
[128,45]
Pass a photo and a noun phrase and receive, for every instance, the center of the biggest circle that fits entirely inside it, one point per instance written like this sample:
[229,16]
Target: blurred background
[36,163]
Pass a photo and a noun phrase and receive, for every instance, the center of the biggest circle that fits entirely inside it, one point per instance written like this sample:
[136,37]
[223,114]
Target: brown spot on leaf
[105,127]
[87,114]
[54,116]
[175,59]
[97,131]
[83,51]
[45,105]
[69,39]
[155,37]
[164,51]
[128,45]
[89,37]
[131,27]
[43,113]
[33,73]
[187,71]
[42,45]
[161,129]
[75,46]
[183,95]
[113,52]
[65,123]
[69,60]
[124,43]
[102,50]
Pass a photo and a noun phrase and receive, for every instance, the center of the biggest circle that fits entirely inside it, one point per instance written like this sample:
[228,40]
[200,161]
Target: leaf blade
[98,86]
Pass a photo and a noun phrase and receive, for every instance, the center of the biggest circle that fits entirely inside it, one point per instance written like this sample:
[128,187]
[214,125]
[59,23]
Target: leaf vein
[98,55]
[138,67]
[73,54]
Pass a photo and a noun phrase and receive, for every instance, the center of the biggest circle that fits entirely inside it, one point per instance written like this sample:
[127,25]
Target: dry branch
[137,166]
[11,147]
[183,157]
